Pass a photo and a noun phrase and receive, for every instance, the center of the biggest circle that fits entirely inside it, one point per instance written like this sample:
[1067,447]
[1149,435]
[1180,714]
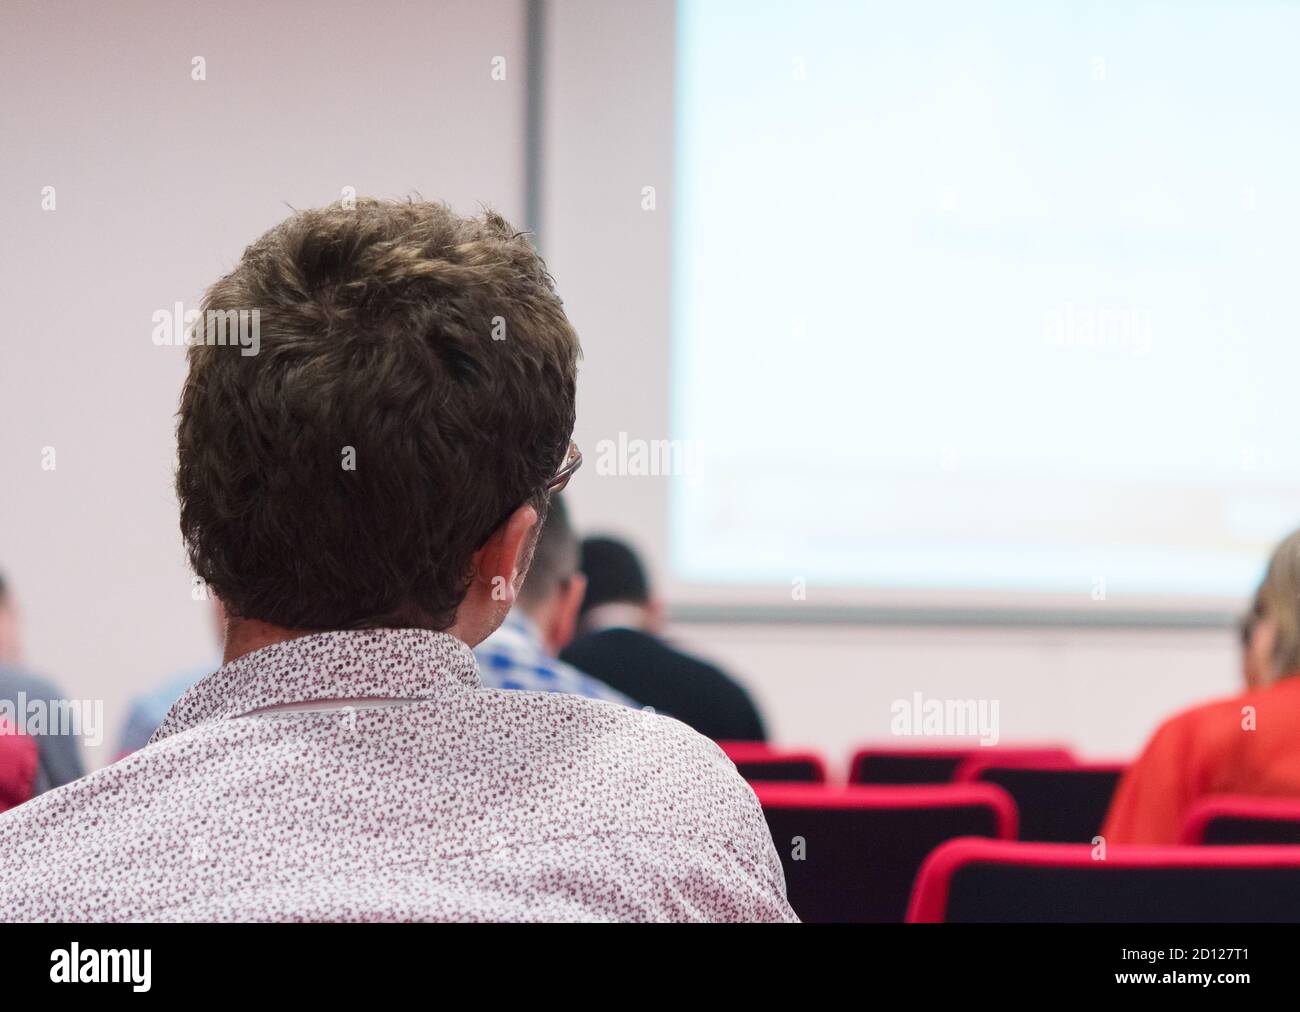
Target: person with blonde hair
[1248,744]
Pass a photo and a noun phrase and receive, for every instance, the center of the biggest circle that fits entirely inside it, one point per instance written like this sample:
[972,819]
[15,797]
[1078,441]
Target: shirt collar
[371,663]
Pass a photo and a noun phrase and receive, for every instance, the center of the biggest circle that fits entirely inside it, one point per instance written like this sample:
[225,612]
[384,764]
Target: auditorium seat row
[863,853]
[886,765]
[852,853]
[994,881]
[1058,798]
[940,765]
[958,850]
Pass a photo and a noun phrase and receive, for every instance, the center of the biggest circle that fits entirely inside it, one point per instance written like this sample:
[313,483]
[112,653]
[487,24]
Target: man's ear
[565,623]
[501,564]
[656,616]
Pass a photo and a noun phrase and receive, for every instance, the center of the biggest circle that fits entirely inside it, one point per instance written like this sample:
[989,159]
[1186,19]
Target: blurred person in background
[58,752]
[522,653]
[146,711]
[1246,745]
[620,643]
[18,765]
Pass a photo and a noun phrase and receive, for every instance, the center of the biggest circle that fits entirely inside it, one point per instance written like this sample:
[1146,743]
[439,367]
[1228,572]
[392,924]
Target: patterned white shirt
[428,797]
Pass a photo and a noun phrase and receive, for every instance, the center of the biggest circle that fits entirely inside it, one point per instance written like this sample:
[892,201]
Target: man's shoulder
[43,838]
[666,800]
[624,639]
[700,668]
[615,637]
[644,791]
[648,752]
[669,657]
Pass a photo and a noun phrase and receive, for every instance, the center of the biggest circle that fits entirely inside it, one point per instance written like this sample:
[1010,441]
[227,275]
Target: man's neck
[529,624]
[244,635]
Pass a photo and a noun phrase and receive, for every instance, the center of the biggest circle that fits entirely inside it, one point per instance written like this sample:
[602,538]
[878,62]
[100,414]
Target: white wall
[609,122]
[161,181]
[1102,692]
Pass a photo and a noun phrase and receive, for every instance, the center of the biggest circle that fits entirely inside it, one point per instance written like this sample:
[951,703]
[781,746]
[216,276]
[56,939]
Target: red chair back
[889,764]
[994,881]
[759,762]
[1059,800]
[851,853]
[1217,821]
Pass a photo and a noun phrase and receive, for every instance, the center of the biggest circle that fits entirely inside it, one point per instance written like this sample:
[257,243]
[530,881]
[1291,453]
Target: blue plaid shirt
[513,658]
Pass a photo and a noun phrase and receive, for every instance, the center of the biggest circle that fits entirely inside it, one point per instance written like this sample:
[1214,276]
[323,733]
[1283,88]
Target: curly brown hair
[428,351]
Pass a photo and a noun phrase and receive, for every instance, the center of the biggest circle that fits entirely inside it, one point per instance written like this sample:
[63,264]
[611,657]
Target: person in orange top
[1249,744]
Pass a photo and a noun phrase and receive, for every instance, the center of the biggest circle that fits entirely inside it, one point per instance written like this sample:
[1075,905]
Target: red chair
[1059,800]
[1234,820]
[993,881]
[889,764]
[18,765]
[756,761]
[851,853]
